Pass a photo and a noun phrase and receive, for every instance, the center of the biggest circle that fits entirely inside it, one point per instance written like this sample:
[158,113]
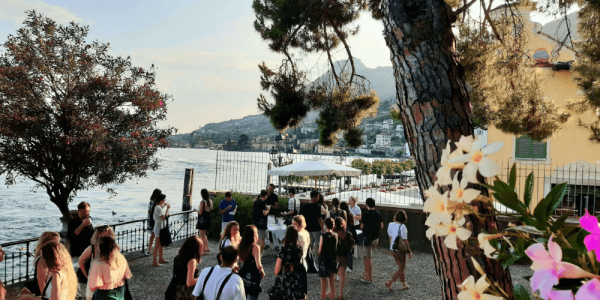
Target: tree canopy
[74,117]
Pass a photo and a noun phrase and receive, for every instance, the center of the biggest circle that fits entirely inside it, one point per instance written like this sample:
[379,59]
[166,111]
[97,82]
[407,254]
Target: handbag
[127,292]
[202,222]
[251,278]
[165,235]
[399,244]
[33,286]
[311,262]
[276,291]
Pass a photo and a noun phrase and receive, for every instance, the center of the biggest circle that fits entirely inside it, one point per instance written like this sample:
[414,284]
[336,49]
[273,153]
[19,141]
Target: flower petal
[463,233]
[573,272]
[554,250]
[460,159]
[488,168]
[543,280]
[470,172]
[450,241]
[477,144]
[590,223]
[481,284]
[538,254]
[492,148]
[592,243]
[589,291]
[470,194]
[560,295]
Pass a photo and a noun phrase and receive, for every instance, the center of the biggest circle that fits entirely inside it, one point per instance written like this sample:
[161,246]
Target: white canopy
[315,167]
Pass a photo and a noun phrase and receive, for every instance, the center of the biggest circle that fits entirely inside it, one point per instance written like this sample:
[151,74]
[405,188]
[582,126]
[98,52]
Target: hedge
[243,215]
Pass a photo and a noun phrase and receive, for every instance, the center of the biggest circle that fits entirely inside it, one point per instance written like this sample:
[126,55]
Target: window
[526,148]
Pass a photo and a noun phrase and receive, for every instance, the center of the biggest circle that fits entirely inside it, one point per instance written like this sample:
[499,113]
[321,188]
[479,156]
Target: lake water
[27,213]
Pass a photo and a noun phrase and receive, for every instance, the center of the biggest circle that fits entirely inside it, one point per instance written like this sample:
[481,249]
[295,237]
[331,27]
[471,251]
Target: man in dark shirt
[371,225]
[314,222]
[259,214]
[79,233]
[273,201]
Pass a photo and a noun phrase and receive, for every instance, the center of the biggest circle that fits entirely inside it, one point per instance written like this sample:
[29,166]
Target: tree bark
[62,202]
[434,108]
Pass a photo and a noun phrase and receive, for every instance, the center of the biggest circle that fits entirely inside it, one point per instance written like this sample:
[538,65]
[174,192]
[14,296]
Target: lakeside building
[566,157]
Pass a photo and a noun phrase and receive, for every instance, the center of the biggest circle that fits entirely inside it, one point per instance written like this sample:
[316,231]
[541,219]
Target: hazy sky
[206,52]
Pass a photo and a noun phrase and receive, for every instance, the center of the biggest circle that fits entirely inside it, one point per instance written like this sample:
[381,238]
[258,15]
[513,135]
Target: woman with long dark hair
[249,254]
[327,264]
[395,228]
[151,220]
[107,275]
[289,271]
[337,211]
[203,224]
[160,214]
[345,243]
[185,269]
[350,227]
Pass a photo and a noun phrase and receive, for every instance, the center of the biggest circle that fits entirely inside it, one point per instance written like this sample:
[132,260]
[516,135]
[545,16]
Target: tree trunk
[62,202]
[434,108]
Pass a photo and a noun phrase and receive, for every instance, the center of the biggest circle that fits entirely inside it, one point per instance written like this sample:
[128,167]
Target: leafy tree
[73,117]
[243,142]
[434,103]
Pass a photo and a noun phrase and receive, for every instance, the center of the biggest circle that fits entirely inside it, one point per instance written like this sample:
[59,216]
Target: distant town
[382,136]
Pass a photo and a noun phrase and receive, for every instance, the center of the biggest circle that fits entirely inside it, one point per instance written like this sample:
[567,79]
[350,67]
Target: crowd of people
[317,240]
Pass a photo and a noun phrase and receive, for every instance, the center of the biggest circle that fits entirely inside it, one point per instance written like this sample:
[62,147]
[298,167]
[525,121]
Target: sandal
[389,286]
[406,287]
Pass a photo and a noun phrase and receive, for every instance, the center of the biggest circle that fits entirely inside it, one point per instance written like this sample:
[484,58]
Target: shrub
[243,215]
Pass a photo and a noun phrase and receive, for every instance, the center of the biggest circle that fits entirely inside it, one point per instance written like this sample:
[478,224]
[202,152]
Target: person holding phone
[227,208]
[161,211]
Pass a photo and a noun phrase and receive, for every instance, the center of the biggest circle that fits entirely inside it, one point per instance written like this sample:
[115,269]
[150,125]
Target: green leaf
[490,187]
[512,179]
[520,246]
[541,240]
[556,196]
[513,257]
[567,229]
[528,193]
[501,185]
[578,243]
[540,212]
[570,255]
[521,293]
[558,224]
[511,200]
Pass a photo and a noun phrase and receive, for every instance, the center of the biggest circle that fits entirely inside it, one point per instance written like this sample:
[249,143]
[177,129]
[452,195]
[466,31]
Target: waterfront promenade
[150,283]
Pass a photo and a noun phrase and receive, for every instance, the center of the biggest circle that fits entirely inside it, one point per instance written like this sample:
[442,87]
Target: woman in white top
[400,257]
[161,211]
[303,236]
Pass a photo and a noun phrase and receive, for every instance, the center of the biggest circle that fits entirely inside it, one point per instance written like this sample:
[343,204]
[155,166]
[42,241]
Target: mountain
[382,81]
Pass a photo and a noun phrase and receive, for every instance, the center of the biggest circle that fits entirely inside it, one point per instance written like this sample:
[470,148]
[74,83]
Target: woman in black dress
[327,264]
[350,228]
[185,270]
[345,243]
[252,271]
[204,218]
[290,273]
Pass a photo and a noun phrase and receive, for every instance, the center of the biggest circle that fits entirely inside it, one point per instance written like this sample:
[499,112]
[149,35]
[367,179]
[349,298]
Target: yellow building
[568,156]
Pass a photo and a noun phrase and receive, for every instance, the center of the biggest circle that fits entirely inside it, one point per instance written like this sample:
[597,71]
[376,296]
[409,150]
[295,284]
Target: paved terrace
[150,283]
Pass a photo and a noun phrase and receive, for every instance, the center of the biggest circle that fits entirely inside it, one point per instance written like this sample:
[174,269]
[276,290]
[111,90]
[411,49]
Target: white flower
[460,193]
[477,161]
[465,143]
[443,174]
[452,231]
[437,207]
[474,291]
[484,243]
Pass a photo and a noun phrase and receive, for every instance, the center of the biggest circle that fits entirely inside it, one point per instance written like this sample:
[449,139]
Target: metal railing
[246,172]
[582,179]
[131,236]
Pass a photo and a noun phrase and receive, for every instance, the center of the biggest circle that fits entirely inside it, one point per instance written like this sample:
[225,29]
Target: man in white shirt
[233,288]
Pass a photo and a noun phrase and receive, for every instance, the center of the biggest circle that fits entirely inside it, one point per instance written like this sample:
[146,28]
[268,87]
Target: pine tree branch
[464,8]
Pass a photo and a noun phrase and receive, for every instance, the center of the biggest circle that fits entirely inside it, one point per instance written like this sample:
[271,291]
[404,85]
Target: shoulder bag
[251,278]
[165,234]
[276,291]
[399,244]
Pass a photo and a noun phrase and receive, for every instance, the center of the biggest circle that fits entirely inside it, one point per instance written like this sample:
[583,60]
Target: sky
[206,52]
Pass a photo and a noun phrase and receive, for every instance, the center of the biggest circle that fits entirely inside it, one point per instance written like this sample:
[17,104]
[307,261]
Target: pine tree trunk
[434,108]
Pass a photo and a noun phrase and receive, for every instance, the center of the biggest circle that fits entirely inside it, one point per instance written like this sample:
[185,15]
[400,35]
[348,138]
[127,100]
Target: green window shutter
[528,148]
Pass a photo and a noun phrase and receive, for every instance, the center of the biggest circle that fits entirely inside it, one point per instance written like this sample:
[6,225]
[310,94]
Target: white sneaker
[337,277]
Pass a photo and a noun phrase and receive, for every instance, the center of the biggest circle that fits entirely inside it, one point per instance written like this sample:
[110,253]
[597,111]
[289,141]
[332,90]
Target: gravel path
[150,283]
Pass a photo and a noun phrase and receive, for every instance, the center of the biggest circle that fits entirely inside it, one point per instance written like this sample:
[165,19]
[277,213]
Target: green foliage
[382,167]
[74,117]
[243,215]
[521,293]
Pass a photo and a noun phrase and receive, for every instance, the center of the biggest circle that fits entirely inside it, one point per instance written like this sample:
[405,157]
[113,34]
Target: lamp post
[276,155]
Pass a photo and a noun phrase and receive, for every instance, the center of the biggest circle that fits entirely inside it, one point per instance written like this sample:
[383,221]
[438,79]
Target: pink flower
[160,103]
[560,295]
[549,267]
[150,145]
[589,291]
[592,241]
